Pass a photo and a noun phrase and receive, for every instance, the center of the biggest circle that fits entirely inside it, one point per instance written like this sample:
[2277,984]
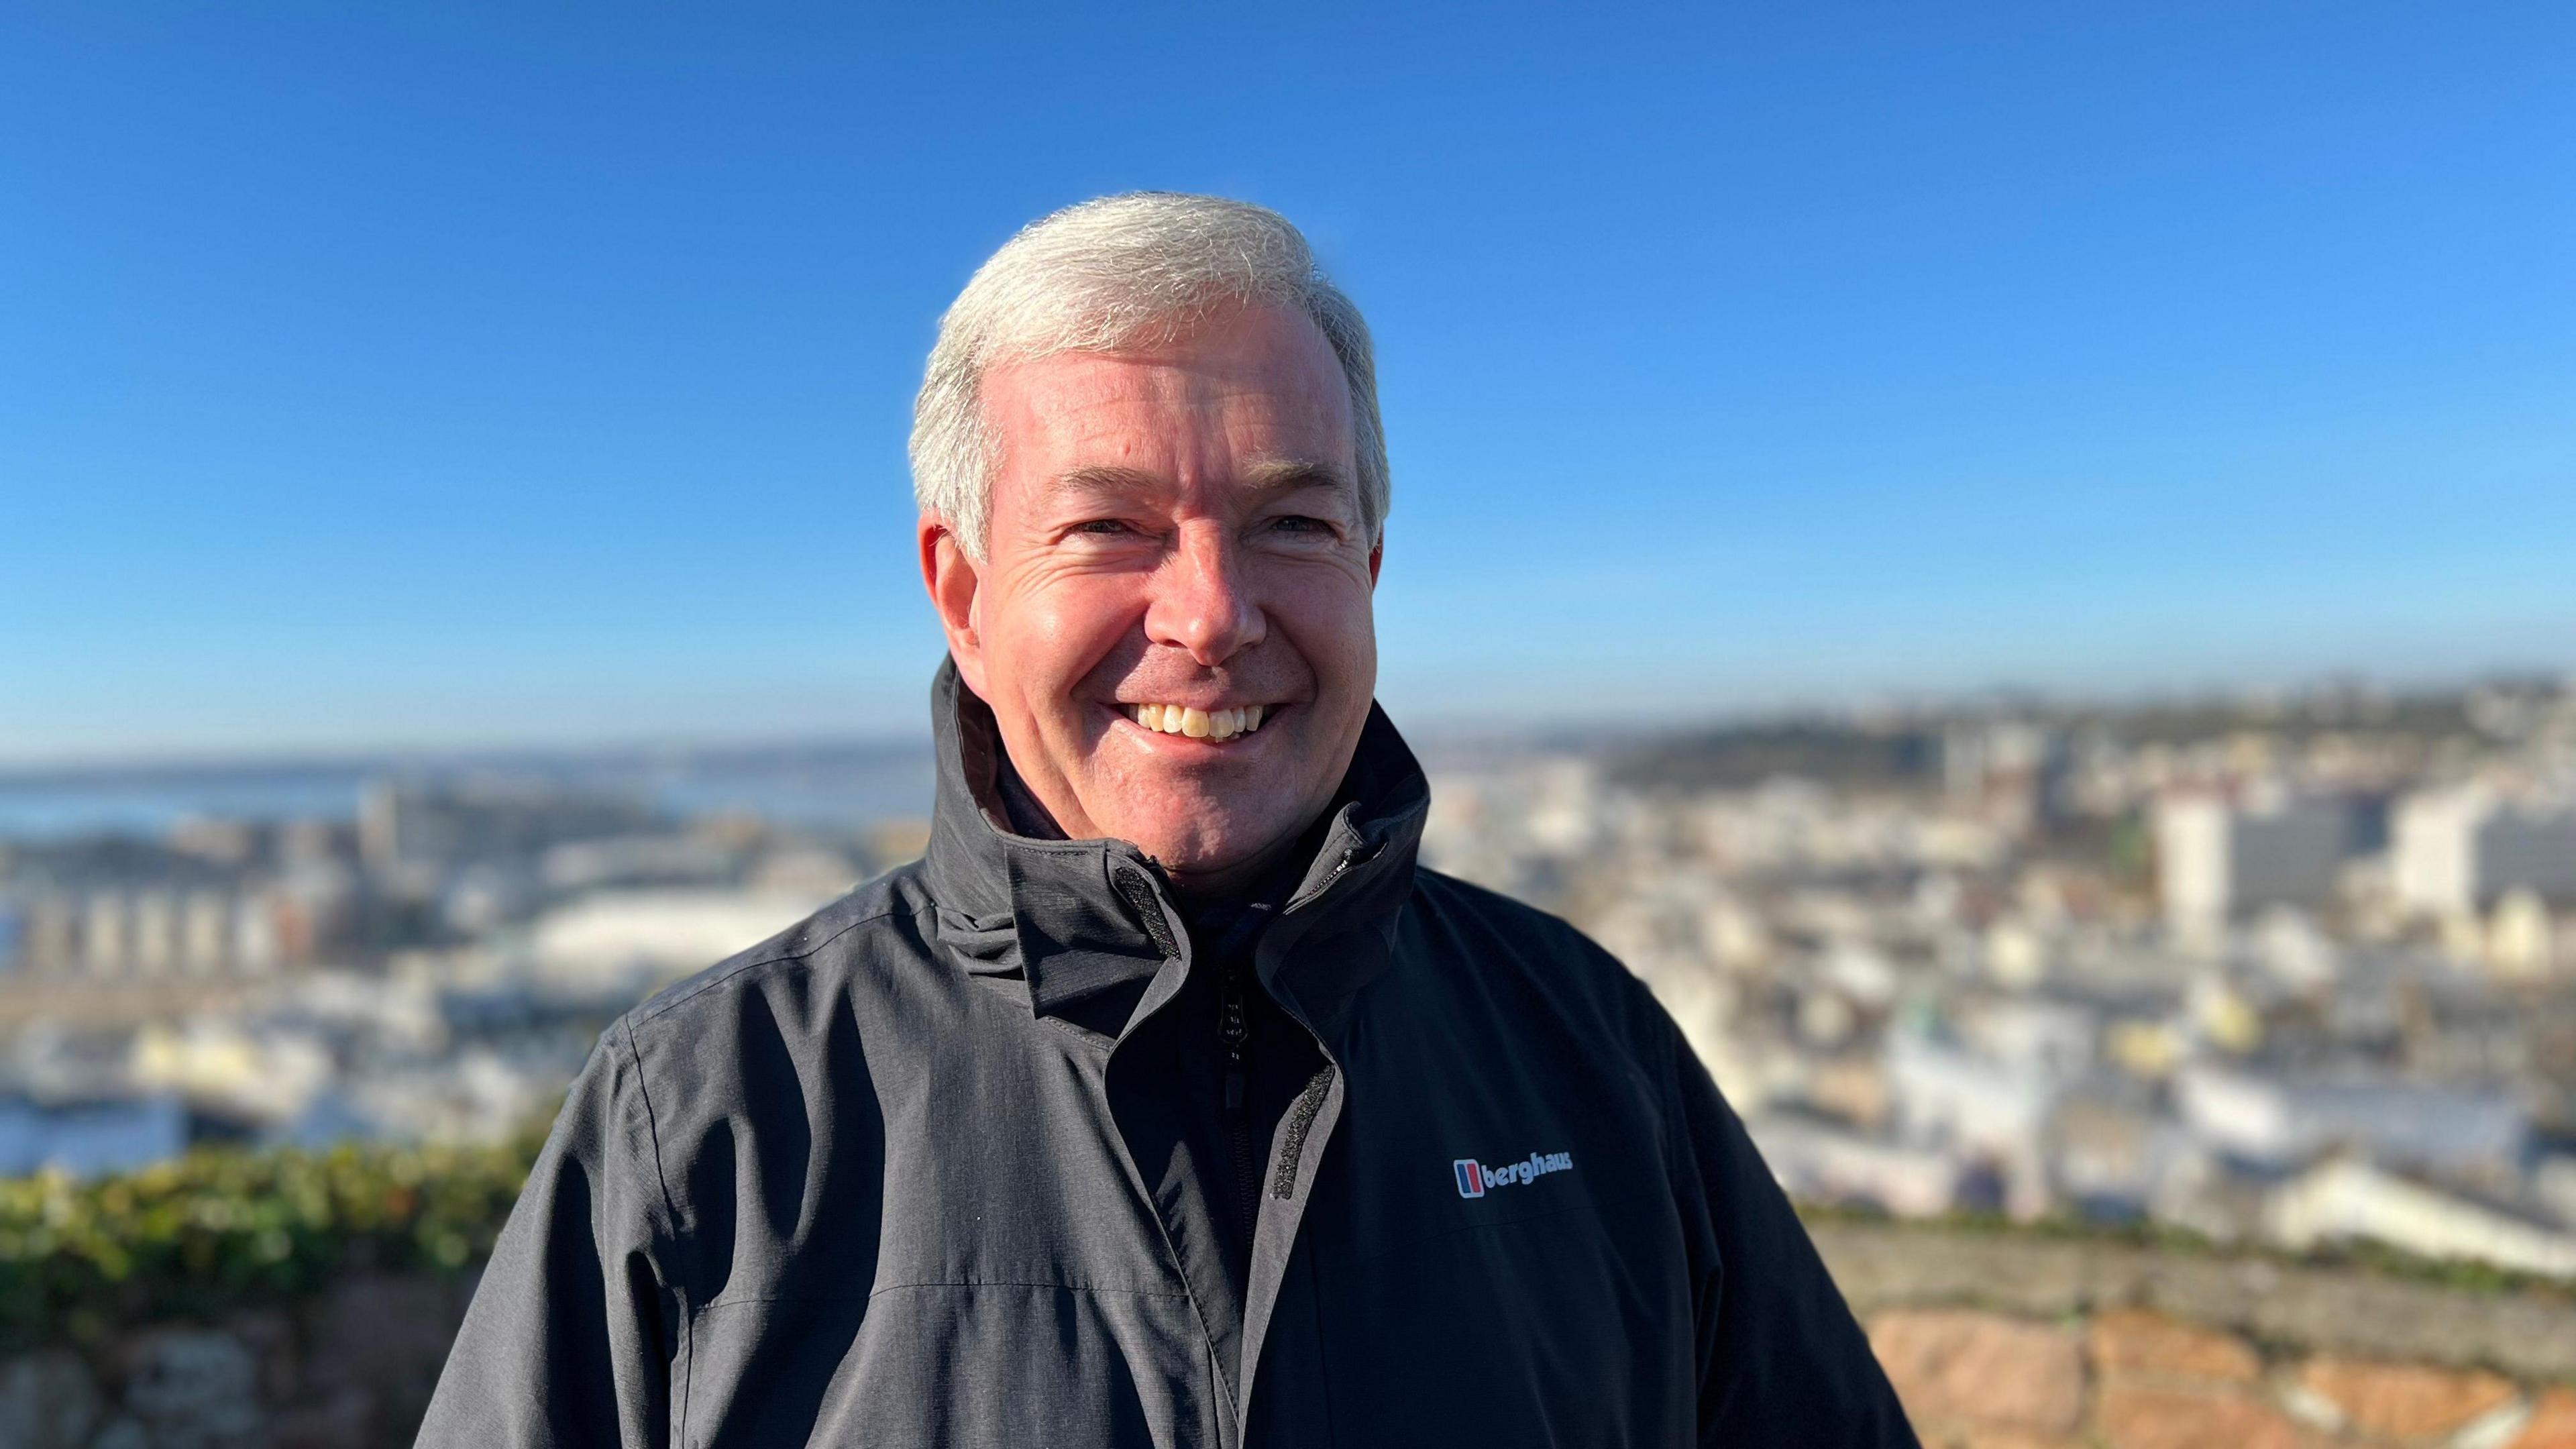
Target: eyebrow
[1287,475]
[1270,475]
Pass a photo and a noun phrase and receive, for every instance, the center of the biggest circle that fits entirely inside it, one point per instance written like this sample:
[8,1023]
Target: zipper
[1350,857]
[1234,1029]
[1310,1101]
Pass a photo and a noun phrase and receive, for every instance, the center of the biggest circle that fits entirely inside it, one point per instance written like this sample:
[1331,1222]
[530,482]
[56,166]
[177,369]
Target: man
[1167,1100]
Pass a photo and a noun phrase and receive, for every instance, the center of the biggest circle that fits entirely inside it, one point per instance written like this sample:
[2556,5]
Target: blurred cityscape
[2296,969]
[410,951]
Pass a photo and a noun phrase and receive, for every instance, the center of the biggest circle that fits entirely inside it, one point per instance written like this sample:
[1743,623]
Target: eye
[1104,527]
[1300,523]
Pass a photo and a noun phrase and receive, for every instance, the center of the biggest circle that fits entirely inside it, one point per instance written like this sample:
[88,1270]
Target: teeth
[1198,724]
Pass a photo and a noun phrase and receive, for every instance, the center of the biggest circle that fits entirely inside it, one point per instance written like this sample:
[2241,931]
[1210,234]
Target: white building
[2345,1198]
[2457,851]
[152,933]
[1977,1108]
[626,942]
[2217,858]
[205,932]
[1820,1162]
[105,940]
[2272,1119]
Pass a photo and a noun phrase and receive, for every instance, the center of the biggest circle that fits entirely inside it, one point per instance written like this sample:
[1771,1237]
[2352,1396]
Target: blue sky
[435,375]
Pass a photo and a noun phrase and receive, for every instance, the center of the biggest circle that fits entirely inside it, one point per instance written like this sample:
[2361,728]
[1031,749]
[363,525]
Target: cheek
[1061,629]
[1330,622]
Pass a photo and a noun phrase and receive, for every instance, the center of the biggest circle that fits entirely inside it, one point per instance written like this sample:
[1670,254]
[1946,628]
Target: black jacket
[905,1175]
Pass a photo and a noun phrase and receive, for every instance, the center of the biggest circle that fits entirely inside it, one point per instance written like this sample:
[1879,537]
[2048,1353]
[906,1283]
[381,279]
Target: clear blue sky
[385,374]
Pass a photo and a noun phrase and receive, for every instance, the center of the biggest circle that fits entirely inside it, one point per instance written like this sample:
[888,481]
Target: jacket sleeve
[1781,1360]
[568,1340]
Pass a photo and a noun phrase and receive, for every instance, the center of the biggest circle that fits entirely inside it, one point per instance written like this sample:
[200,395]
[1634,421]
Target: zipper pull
[1350,856]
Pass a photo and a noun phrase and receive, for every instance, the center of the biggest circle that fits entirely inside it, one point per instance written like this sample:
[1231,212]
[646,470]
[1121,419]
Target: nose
[1201,602]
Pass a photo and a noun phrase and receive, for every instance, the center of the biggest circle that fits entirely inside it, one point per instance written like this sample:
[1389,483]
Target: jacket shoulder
[1498,928]
[1463,904]
[824,942]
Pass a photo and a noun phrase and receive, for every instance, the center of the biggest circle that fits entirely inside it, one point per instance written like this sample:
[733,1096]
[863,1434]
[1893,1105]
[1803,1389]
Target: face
[1175,552]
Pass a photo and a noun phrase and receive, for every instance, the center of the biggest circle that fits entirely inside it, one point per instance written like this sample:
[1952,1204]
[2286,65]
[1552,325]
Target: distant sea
[815,786]
[148,806]
[823,786]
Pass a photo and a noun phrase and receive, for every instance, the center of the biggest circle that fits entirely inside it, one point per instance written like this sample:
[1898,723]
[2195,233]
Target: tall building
[2459,851]
[2217,857]
[53,935]
[204,938]
[104,939]
[152,933]
[2013,769]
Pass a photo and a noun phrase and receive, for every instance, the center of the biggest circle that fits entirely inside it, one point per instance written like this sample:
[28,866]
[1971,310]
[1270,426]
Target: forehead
[1251,386]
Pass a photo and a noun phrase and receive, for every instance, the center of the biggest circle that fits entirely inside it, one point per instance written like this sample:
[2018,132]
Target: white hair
[1108,274]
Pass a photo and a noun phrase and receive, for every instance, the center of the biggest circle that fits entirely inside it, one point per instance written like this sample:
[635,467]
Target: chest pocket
[1503,1260]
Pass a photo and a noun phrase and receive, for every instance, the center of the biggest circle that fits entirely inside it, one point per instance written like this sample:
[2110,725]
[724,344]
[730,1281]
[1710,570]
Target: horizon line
[43,767]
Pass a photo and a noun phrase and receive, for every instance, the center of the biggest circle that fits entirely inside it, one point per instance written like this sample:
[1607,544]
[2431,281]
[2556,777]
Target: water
[816,788]
[54,810]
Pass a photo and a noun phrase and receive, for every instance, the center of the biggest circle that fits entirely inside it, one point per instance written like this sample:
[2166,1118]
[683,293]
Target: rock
[192,1388]
[2405,1402]
[2495,1429]
[2529,1334]
[345,1421]
[2553,1422]
[2131,1342]
[1876,1267]
[2002,1439]
[270,1337]
[1981,1371]
[47,1401]
[2144,1416]
[384,1336]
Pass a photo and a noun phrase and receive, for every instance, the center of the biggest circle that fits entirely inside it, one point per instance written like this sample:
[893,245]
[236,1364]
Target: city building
[2219,858]
[2458,851]
[2346,1197]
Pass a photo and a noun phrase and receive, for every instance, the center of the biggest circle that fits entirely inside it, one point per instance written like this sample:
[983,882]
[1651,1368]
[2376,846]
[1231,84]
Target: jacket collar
[1084,922]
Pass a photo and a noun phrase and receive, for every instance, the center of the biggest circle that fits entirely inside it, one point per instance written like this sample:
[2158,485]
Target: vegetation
[2359,1256]
[218,1230]
[223,1229]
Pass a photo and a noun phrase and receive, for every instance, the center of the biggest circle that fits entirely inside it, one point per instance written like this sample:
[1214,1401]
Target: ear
[951,579]
[1377,555]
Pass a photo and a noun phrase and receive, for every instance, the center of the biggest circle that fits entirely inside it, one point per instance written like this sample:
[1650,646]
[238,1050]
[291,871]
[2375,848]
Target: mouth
[1210,726]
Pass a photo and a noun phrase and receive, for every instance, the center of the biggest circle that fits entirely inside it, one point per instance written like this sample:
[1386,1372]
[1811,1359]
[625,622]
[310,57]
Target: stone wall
[1996,1340]
[2011,1341]
[351,1369]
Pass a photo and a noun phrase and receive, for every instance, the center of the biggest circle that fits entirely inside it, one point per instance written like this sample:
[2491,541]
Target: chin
[1211,848]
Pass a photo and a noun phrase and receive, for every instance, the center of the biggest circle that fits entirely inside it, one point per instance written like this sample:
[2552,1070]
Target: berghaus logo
[1475,1178]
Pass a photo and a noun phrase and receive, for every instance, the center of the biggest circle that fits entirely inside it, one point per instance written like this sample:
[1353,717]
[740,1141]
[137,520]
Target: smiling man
[1167,1100]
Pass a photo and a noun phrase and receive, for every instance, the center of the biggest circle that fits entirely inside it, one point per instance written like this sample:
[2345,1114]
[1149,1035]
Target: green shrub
[220,1229]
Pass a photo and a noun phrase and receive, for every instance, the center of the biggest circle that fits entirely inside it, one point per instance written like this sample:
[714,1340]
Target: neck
[1021,806]
[1200,888]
